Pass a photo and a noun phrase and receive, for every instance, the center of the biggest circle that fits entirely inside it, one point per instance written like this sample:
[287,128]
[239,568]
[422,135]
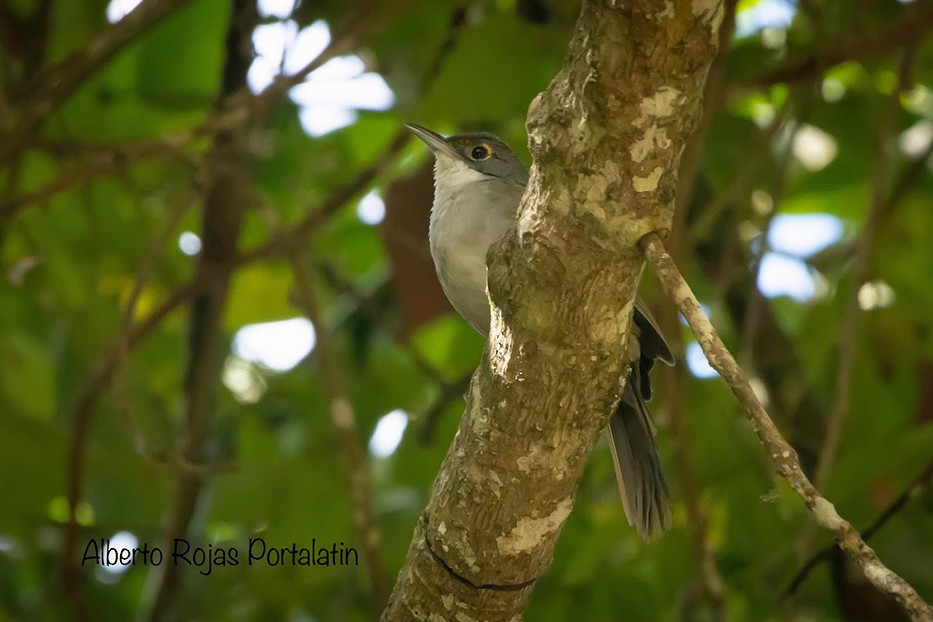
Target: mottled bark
[606,138]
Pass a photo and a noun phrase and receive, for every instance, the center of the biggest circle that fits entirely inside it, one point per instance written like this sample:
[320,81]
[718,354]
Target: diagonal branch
[240,108]
[914,24]
[96,162]
[863,266]
[281,242]
[126,339]
[781,454]
[344,420]
[54,85]
[913,490]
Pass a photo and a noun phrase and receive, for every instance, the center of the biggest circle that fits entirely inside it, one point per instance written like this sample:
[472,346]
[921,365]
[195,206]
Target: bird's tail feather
[642,487]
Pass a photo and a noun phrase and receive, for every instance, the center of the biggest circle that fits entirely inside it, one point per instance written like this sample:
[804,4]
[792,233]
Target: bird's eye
[480,152]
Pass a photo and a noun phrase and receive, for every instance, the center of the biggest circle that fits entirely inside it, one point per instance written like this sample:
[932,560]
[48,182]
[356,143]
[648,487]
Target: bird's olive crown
[489,155]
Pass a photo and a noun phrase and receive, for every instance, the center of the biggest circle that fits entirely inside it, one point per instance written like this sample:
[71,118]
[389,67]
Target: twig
[57,83]
[755,297]
[914,490]
[353,30]
[713,585]
[915,23]
[285,239]
[117,352]
[98,161]
[908,178]
[756,156]
[242,106]
[341,413]
[449,392]
[365,302]
[117,155]
[121,344]
[861,272]
[113,158]
[692,159]
[780,453]
[367,176]
[84,414]
[221,223]
[239,108]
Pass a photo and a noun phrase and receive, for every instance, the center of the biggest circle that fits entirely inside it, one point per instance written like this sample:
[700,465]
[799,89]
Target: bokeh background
[220,320]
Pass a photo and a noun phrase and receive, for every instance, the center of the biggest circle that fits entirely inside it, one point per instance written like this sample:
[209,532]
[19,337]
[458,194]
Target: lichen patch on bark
[528,532]
[649,183]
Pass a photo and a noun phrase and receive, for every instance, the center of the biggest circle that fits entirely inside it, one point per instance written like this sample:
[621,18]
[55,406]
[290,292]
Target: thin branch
[143,273]
[914,490]
[914,24]
[675,391]
[449,391]
[692,160]
[54,85]
[98,161]
[110,159]
[341,413]
[222,220]
[756,155]
[781,454]
[239,108]
[861,272]
[778,189]
[128,336]
[116,156]
[912,173]
[366,303]
[841,405]
[83,416]
[354,29]
[283,241]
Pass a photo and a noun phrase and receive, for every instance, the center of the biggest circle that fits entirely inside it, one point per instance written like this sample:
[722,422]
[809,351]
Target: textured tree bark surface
[606,139]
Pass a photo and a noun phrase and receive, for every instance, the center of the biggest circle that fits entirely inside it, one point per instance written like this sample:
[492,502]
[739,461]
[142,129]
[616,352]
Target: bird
[478,185]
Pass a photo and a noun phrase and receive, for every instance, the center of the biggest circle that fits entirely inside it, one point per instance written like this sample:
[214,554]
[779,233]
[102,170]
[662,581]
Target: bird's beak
[436,142]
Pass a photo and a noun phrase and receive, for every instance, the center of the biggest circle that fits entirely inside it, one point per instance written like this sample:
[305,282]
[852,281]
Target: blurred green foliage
[70,256]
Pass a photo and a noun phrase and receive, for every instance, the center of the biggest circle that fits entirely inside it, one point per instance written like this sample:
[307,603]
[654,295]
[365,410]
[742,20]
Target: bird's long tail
[642,487]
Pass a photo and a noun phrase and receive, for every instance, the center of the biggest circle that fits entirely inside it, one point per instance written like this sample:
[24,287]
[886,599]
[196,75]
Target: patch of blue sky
[764,14]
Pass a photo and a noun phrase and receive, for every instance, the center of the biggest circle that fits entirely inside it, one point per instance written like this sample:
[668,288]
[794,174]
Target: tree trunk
[606,139]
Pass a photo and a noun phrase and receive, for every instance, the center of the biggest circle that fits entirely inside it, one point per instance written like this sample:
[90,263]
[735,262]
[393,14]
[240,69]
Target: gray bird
[478,184]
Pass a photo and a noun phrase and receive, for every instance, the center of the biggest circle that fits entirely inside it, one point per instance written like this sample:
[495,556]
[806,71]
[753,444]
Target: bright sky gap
[388,433]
